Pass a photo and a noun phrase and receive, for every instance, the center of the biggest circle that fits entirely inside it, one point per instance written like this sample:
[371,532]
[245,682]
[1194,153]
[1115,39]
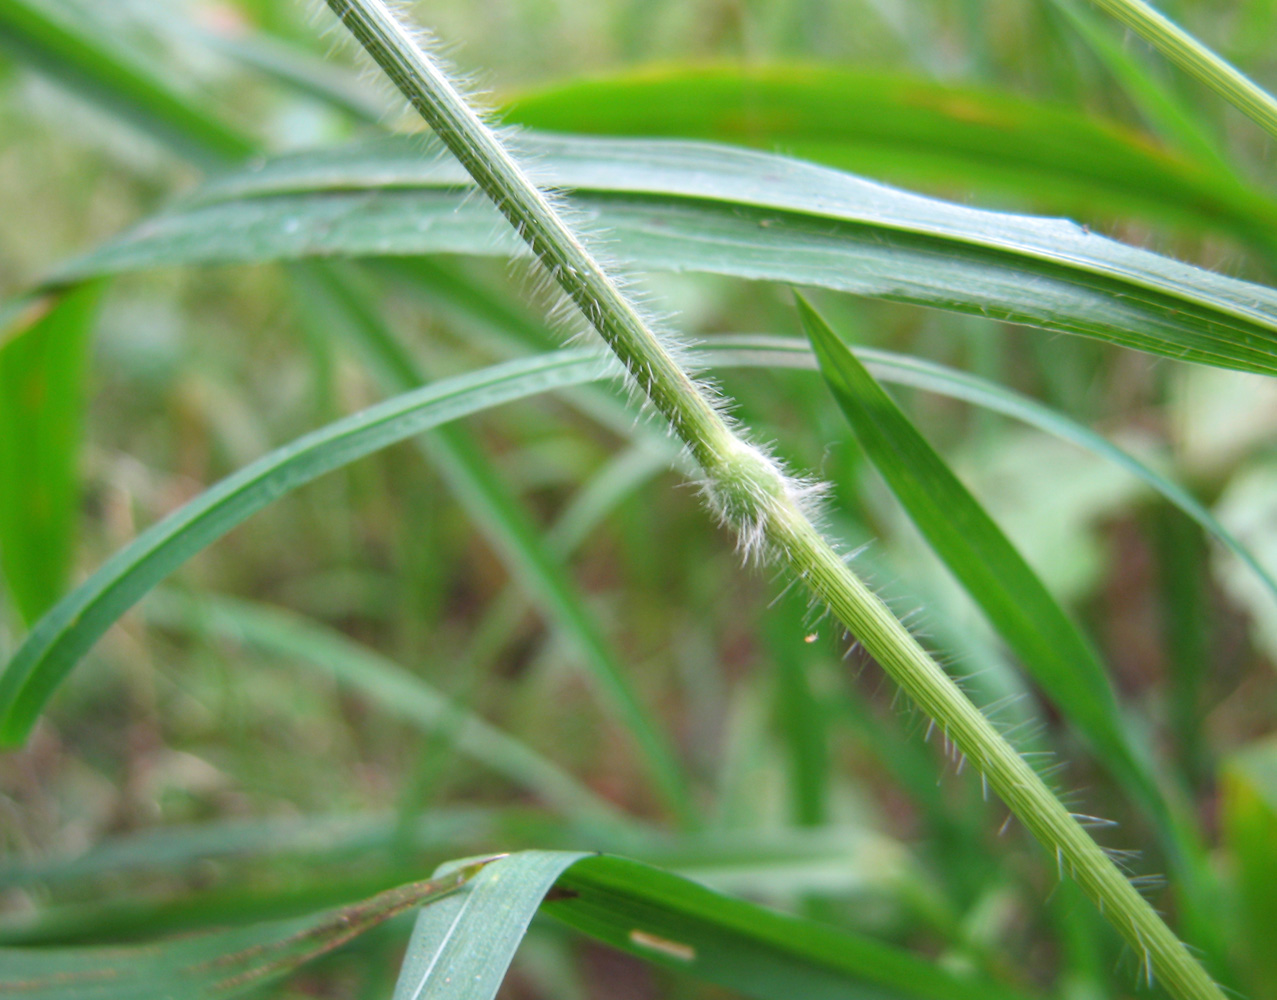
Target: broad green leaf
[338,306]
[67,631]
[1249,822]
[690,206]
[461,947]
[390,686]
[911,131]
[82,57]
[206,966]
[43,364]
[991,569]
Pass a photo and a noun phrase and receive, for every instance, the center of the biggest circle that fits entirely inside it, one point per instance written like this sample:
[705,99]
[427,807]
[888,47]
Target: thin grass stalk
[771,512]
[1196,59]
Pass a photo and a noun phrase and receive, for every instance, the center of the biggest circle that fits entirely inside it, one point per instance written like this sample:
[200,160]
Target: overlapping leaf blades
[693,206]
[477,915]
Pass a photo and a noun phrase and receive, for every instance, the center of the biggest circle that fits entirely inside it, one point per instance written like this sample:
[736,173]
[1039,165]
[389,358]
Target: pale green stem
[1196,59]
[751,492]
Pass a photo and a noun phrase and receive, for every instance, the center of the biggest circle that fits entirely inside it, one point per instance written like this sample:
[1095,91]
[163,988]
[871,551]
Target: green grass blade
[461,947]
[737,945]
[1196,59]
[971,544]
[43,368]
[340,307]
[463,944]
[321,841]
[993,572]
[1160,106]
[67,631]
[467,934]
[392,688]
[687,206]
[85,60]
[918,132]
[206,966]
[767,351]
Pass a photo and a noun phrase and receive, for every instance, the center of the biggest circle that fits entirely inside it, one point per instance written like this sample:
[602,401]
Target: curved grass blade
[384,682]
[207,966]
[67,631]
[690,206]
[971,545]
[89,64]
[43,369]
[463,944]
[476,916]
[913,131]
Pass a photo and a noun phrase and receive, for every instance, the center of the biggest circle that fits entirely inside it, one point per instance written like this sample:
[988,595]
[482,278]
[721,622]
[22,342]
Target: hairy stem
[1196,59]
[751,492]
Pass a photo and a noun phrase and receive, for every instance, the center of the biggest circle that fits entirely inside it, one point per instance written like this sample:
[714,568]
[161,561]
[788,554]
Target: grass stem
[751,492]
[1196,59]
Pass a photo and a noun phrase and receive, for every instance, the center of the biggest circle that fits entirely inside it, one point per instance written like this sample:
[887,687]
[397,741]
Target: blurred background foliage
[234,781]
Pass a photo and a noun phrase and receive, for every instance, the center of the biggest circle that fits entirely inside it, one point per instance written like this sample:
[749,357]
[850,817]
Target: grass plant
[558,689]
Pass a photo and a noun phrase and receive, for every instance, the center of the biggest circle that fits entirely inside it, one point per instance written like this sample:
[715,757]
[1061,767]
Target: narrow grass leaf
[84,59]
[463,944]
[760,953]
[692,206]
[43,368]
[64,634]
[206,966]
[748,350]
[914,131]
[980,556]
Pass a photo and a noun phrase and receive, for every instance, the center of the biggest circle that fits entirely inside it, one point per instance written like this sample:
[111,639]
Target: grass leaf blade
[989,567]
[692,206]
[209,966]
[66,632]
[43,371]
